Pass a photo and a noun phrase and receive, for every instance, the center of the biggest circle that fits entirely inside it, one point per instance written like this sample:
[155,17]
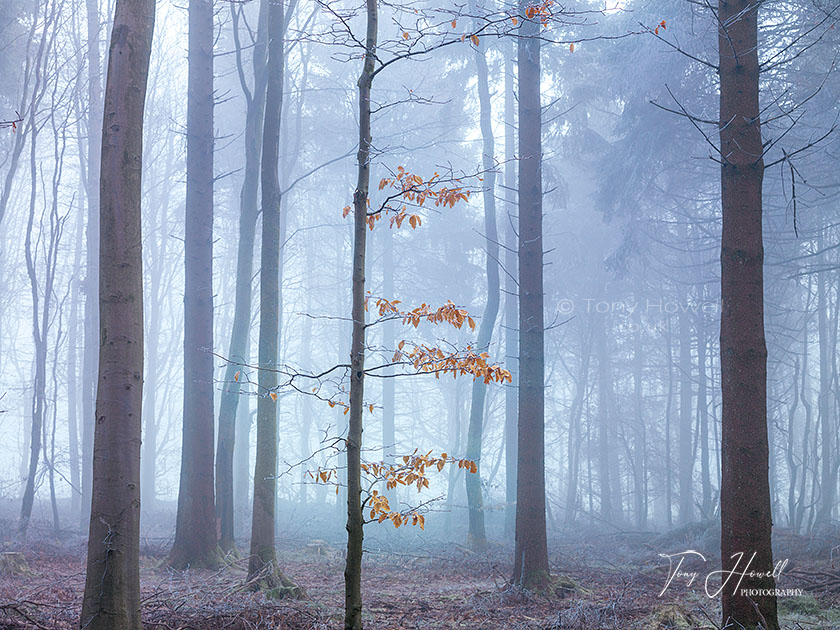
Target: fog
[615,409]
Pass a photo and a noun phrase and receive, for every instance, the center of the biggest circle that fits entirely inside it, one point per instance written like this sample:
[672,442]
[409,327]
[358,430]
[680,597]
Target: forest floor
[608,582]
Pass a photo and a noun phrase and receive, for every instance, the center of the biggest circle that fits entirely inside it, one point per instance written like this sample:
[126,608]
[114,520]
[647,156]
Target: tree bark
[706,508]
[686,454]
[828,480]
[746,518]
[640,501]
[511,306]
[195,532]
[262,563]
[531,554]
[477,536]
[237,354]
[91,282]
[355,519]
[604,426]
[112,584]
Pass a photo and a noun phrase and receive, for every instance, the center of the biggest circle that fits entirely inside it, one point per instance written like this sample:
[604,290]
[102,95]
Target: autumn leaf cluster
[449,313]
[410,471]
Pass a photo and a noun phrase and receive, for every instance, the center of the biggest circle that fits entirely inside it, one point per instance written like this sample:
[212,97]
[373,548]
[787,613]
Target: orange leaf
[236,377]
[453,23]
[571,48]
[405,35]
[273,396]
[474,39]
[345,212]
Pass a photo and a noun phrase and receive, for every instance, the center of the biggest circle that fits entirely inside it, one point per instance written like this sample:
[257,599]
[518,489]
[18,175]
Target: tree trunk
[827,446]
[640,506]
[604,426]
[511,306]
[39,333]
[477,537]
[195,532]
[355,520]
[112,584]
[91,282]
[72,375]
[669,360]
[237,354]
[703,412]
[262,563]
[575,416]
[745,492]
[686,458]
[531,555]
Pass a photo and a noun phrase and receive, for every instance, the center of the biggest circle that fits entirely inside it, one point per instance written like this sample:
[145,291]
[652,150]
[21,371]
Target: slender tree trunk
[355,520]
[686,458]
[39,334]
[237,354]
[72,376]
[477,537]
[195,532]
[531,554]
[790,450]
[242,459]
[827,446]
[639,430]
[511,306]
[112,583]
[575,416]
[604,427]
[150,423]
[746,518]
[91,283]
[669,361]
[262,563]
[703,412]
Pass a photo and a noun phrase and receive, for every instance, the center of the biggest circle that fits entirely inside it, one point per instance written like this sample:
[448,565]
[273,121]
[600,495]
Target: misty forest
[408,314]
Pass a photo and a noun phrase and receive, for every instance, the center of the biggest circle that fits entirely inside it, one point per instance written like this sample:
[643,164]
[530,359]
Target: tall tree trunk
[262,563]
[640,506]
[477,537]
[112,583]
[237,354]
[790,450]
[195,532]
[155,252]
[355,520]
[39,334]
[91,283]
[531,554]
[242,458]
[669,361]
[511,306]
[575,416]
[746,518]
[703,413]
[72,374]
[604,426]
[686,454]
[827,447]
